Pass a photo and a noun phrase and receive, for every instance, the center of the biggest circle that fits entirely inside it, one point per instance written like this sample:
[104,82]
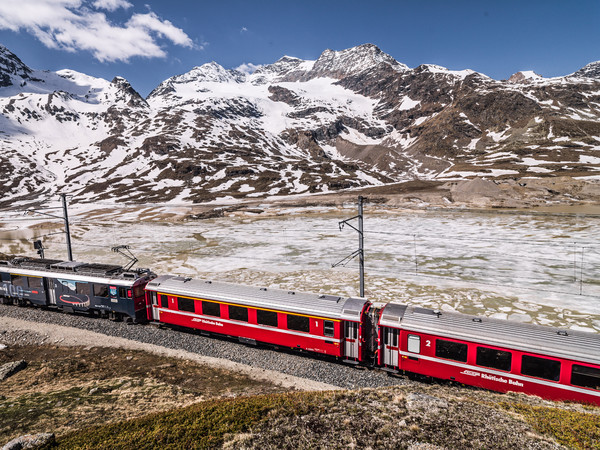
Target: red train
[494,354]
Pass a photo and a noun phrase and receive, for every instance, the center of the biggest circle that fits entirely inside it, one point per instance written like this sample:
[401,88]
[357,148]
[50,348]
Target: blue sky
[147,42]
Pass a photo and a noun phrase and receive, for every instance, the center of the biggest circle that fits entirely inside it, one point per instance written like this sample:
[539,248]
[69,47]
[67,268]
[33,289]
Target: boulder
[9,369]
[30,441]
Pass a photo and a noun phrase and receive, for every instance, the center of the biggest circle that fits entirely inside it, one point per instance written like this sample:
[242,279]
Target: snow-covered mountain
[351,118]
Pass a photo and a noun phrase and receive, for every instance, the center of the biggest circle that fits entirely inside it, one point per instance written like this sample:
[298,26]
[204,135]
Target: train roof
[72,269]
[329,306]
[544,340]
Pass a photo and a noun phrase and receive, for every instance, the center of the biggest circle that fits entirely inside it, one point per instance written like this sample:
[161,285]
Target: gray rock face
[30,441]
[423,402]
[9,369]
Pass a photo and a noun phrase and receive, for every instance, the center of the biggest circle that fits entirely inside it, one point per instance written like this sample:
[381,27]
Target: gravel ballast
[303,365]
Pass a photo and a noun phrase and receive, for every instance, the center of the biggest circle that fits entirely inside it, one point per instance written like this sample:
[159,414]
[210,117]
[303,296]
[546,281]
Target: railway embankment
[96,383]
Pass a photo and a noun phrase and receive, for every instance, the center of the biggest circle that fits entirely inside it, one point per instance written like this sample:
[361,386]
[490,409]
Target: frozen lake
[540,268]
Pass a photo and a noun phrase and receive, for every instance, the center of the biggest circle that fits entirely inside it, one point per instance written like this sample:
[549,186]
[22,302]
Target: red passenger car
[499,355]
[324,324]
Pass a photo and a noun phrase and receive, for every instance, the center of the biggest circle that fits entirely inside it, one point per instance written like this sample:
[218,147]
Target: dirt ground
[71,383]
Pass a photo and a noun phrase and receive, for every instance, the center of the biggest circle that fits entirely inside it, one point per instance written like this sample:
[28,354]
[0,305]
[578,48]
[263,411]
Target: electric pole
[361,247]
[361,251]
[67,232]
[38,245]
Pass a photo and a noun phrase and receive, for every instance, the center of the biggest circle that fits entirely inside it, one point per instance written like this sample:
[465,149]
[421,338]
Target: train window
[414,343]
[533,366]
[238,313]
[298,323]
[351,330]
[138,291]
[211,309]
[390,337]
[35,283]
[328,328]
[185,304]
[495,359]
[585,376]
[164,301]
[451,350]
[100,290]
[83,288]
[266,317]
[18,280]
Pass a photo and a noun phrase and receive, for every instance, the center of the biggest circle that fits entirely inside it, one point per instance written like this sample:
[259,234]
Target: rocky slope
[352,118]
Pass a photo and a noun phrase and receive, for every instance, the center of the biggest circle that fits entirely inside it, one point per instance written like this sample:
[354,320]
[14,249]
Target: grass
[574,429]
[396,417]
[109,398]
[204,425]
[65,389]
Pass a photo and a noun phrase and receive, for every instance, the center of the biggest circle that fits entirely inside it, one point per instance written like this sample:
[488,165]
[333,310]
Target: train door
[50,289]
[351,339]
[390,346]
[155,311]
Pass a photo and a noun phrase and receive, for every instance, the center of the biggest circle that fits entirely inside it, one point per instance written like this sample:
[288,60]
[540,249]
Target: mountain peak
[210,72]
[12,69]
[591,70]
[525,76]
[338,64]
[285,67]
[126,94]
[435,69]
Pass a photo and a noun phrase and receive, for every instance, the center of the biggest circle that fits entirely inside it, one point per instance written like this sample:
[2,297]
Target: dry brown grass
[64,389]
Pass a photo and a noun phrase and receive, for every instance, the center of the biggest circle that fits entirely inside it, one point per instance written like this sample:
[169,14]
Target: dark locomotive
[99,289]
[494,354]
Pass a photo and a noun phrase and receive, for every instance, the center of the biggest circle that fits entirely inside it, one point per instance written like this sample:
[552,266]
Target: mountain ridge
[352,118]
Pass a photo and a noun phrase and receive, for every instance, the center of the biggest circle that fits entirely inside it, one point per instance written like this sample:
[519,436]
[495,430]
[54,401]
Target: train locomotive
[494,354]
[99,289]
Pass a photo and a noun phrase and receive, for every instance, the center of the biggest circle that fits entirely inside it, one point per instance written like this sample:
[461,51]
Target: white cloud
[243,30]
[248,68]
[111,5]
[151,22]
[72,25]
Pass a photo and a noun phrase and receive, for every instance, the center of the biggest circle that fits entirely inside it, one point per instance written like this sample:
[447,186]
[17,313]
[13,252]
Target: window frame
[240,313]
[328,328]
[186,304]
[164,300]
[215,313]
[534,371]
[83,288]
[587,376]
[298,323]
[410,342]
[97,287]
[394,333]
[22,280]
[500,354]
[348,324]
[39,282]
[263,317]
[461,349]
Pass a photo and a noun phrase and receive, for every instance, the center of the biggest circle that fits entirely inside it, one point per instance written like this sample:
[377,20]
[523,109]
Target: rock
[30,441]
[417,401]
[9,369]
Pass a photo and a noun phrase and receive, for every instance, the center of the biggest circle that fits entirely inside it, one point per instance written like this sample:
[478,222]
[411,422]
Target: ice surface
[531,267]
